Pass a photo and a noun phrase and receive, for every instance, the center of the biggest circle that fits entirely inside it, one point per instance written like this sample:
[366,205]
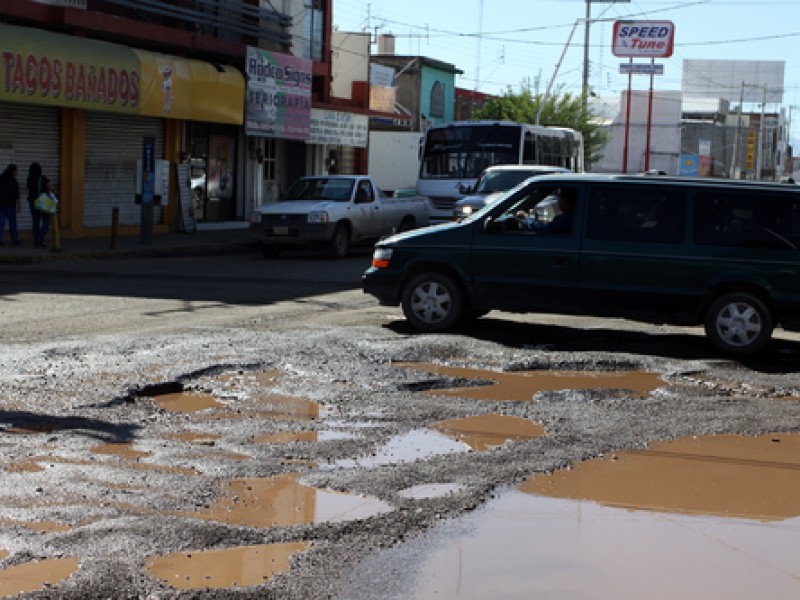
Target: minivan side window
[755,221]
[636,214]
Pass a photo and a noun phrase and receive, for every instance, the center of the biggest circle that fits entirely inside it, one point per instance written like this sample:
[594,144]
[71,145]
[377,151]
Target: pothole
[35,575]
[724,475]
[483,432]
[244,566]
[522,386]
[282,501]
[418,444]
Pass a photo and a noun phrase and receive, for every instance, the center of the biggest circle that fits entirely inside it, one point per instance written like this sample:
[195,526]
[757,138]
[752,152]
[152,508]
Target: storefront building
[82,108]
[86,86]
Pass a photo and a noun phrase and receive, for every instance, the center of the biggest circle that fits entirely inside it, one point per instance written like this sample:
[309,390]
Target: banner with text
[278,95]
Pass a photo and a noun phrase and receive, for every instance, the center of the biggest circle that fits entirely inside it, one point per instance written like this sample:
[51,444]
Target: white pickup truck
[333,211]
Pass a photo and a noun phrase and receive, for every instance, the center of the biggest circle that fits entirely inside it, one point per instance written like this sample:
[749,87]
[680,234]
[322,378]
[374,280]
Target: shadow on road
[780,357]
[25,422]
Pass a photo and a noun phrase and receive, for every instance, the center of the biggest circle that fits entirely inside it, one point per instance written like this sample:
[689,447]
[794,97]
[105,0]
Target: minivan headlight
[318,216]
[381,257]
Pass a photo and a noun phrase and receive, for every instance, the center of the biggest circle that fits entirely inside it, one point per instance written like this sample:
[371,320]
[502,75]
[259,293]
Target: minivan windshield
[499,181]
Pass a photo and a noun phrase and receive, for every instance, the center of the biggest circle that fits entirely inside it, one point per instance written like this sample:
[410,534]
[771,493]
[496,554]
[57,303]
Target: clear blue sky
[500,43]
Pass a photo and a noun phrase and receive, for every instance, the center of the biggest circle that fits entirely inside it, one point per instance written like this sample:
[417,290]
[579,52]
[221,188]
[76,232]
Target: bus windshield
[463,152]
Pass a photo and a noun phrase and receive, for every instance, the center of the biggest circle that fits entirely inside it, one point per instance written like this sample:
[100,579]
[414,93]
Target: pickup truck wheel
[406,224]
[340,242]
[738,323]
[432,302]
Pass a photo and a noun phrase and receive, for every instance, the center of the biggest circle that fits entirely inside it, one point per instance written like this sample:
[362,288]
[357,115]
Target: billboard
[734,79]
[643,39]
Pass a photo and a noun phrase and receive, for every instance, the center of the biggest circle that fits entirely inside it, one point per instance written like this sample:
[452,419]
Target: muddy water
[187,402]
[725,475]
[484,432]
[712,517]
[38,526]
[524,385]
[282,501]
[35,575]
[123,450]
[228,568]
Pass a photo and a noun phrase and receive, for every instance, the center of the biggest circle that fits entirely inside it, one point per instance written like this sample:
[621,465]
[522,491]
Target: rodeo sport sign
[648,39]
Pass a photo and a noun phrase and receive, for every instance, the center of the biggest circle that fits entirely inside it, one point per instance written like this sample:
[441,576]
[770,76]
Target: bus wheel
[432,302]
[738,323]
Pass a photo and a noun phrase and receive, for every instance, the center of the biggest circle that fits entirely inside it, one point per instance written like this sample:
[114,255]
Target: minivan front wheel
[432,302]
[738,323]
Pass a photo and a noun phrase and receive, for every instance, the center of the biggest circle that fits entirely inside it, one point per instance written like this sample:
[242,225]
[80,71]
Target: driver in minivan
[560,224]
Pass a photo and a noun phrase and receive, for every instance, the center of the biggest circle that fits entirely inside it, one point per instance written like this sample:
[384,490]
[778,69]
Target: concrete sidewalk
[207,239]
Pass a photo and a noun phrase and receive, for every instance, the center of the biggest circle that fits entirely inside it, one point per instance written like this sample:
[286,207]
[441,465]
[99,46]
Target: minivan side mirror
[464,189]
[490,225]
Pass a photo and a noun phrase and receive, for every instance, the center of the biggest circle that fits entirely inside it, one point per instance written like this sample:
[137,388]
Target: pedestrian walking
[9,204]
[40,221]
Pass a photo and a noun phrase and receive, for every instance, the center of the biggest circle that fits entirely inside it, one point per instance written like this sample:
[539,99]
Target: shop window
[437,100]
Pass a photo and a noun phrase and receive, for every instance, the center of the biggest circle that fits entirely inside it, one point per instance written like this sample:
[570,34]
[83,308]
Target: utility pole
[587,23]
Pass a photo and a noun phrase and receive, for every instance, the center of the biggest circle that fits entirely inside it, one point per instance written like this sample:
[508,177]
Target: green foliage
[560,109]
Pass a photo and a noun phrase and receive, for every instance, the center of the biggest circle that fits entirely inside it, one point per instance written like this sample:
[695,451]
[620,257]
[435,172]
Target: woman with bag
[38,184]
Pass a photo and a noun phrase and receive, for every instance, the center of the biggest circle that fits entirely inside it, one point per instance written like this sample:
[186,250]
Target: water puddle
[419,444]
[25,466]
[244,566]
[37,526]
[522,386]
[123,450]
[483,432]
[289,437]
[430,490]
[35,575]
[187,402]
[724,475]
[711,517]
[283,501]
[287,407]
[708,517]
[538,547]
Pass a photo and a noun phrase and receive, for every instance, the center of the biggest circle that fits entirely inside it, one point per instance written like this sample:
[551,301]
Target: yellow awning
[180,88]
[42,67]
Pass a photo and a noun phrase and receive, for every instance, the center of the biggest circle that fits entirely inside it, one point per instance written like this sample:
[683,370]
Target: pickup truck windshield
[322,188]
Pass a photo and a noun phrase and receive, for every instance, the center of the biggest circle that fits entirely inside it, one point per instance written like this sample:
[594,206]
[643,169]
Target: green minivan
[683,251]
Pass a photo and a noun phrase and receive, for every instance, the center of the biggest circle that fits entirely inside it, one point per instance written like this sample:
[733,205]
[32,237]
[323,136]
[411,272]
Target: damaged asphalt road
[132,463]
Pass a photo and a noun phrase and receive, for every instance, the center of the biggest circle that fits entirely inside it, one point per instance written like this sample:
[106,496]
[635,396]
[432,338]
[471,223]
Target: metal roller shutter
[113,144]
[30,133]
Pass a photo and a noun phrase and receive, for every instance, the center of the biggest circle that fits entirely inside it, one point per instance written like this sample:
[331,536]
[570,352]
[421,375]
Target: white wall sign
[337,128]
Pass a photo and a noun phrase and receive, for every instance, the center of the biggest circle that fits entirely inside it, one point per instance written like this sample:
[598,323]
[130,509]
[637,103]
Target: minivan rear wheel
[738,323]
[432,302]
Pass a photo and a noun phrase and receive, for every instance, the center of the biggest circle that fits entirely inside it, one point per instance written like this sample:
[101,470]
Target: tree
[560,109]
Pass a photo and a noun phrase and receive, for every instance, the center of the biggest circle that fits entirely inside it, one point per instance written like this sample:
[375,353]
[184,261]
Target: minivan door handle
[560,260]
